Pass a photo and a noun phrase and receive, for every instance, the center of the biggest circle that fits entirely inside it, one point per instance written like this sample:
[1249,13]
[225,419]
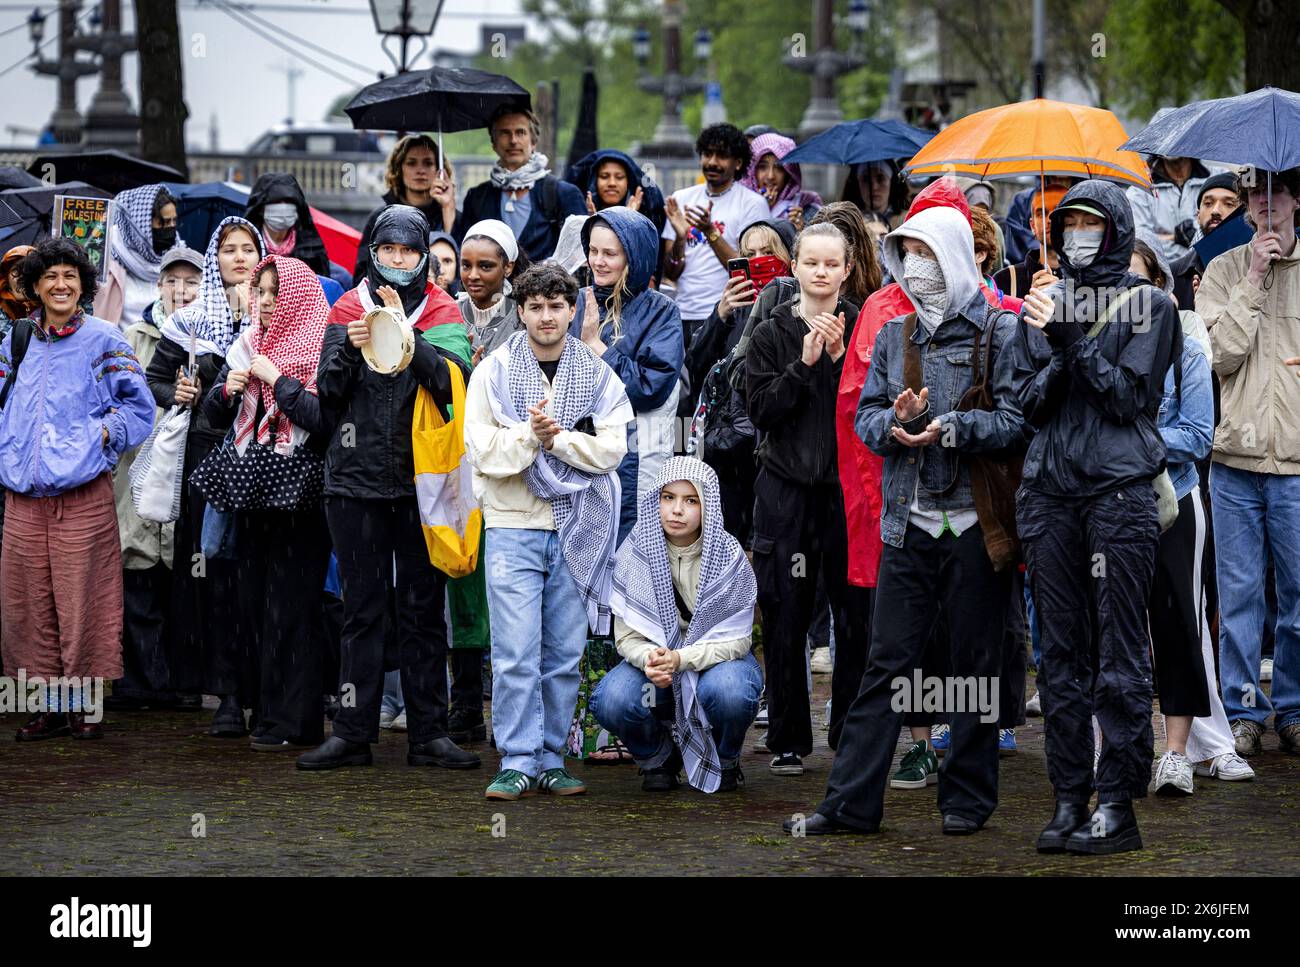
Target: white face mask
[1082,245]
[280,216]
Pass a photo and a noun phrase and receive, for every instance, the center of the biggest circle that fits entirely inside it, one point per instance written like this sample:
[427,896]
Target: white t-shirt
[702,280]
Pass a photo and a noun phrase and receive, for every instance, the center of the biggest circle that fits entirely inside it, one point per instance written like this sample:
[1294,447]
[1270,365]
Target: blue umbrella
[200,208]
[1260,129]
[858,142]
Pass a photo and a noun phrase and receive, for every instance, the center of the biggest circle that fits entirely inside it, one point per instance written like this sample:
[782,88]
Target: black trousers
[1090,562]
[207,651]
[368,535]
[799,533]
[467,678]
[146,594]
[916,580]
[283,558]
[1176,616]
[1015,655]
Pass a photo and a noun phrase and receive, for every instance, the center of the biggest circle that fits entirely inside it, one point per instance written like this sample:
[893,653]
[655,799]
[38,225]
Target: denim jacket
[947,367]
[1187,426]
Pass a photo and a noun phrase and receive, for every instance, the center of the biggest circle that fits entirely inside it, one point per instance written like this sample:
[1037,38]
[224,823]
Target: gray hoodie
[948,234]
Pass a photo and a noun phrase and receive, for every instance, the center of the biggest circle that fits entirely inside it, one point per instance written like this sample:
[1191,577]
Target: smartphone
[738,268]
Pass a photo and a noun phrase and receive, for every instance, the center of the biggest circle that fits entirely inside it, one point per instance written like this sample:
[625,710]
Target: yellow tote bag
[449,516]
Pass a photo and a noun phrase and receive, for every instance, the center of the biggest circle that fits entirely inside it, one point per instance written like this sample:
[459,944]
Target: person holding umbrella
[1249,299]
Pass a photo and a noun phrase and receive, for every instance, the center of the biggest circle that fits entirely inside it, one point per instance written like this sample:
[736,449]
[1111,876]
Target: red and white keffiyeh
[292,342]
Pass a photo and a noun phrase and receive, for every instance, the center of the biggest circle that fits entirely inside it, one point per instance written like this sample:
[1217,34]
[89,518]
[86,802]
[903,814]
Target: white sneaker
[1265,670]
[760,720]
[1034,707]
[1230,767]
[821,661]
[386,719]
[1174,775]
[399,723]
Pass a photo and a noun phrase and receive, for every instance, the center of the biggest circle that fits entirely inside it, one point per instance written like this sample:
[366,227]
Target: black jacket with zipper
[793,405]
[369,455]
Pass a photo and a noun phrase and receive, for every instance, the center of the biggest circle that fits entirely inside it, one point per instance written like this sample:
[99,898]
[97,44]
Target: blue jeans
[728,693]
[1253,511]
[539,632]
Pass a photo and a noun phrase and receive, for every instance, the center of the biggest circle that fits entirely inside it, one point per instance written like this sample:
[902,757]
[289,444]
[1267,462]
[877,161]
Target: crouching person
[545,431]
[940,405]
[683,604]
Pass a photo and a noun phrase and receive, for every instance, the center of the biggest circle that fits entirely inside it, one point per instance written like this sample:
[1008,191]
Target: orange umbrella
[1038,137]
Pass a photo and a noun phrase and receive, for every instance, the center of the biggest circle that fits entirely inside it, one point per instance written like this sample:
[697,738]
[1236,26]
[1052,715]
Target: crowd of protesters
[945,441]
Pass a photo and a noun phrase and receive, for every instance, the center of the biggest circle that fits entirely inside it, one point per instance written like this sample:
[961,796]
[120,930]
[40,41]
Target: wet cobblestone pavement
[128,804]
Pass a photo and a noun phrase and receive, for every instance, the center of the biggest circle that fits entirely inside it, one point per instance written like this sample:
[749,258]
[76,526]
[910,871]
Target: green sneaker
[919,768]
[558,782]
[510,784]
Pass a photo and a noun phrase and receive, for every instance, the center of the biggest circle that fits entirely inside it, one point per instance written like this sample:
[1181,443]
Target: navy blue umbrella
[1261,129]
[858,142]
[200,209]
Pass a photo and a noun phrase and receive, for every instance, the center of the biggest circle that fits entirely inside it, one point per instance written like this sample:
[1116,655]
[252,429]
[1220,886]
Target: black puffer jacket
[279,186]
[1094,402]
[369,455]
[793,405]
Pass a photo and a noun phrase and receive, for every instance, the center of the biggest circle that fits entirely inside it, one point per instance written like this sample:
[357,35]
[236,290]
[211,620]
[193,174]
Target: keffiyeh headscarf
[585,506]
[132,239]
[532,171]
[209,317]
[292,342]
[724,602]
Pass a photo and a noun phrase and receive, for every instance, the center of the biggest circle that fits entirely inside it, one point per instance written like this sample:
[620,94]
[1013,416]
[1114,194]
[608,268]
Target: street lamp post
[65,122]
[110,121]
[405,19]
[671,139]
[826,63]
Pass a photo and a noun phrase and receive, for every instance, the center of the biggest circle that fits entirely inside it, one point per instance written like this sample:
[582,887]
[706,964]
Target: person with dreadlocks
[637,331]
[546,428]
[144,227]
[370,501]
[267,392]
[683,601]
[206,649]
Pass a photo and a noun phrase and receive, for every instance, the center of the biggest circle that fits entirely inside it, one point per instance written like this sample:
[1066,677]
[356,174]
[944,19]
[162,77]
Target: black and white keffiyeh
[724,603]
[132,239]
[209,316]
[533,170]
[585,506]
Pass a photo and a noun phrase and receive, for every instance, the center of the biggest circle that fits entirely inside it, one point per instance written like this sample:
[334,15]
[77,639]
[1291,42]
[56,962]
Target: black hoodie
[1094,402]
[278,186]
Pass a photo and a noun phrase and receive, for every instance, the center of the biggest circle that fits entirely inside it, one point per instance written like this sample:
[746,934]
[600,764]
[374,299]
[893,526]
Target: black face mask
[163,239]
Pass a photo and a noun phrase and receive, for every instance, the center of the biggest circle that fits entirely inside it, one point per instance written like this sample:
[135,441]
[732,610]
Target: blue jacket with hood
[583,175]
[648,350]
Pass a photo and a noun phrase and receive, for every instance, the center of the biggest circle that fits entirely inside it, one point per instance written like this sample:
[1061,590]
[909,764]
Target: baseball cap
[180,253]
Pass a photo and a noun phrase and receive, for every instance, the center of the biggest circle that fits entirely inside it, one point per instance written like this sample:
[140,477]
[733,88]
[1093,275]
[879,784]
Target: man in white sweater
[545,429]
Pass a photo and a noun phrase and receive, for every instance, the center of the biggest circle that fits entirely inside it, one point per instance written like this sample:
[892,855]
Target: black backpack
[22,337]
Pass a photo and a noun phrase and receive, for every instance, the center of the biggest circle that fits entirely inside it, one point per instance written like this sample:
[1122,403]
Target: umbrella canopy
[12,177]
[25,213]
[1038,137]
[200,209]
[437,99]
[1261,129]
[858,142]
[110,170]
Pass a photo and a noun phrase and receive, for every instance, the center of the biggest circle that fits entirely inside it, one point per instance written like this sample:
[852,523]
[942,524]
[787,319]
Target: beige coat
[144,543]
[1252,330]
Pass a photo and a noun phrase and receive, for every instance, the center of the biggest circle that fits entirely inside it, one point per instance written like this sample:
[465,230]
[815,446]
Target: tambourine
[392,341]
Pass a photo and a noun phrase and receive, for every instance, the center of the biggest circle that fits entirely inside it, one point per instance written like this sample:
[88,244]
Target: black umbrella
[12,177]
[436,99]
[110,170]
[585,140]
[25,213]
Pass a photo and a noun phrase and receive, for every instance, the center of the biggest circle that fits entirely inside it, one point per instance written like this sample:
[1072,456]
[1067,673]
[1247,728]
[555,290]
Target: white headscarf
[499,232]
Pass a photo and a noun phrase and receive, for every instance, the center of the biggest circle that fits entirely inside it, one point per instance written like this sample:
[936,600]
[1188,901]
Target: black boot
[1068,817]
[465,724]
[664,778]
[441,752]
[819,825]
[1112,828]
[228,722]
[334,752]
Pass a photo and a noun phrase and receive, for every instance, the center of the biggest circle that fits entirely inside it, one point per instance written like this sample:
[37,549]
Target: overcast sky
[240,78]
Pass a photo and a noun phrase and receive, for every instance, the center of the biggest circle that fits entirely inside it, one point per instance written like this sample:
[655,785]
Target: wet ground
[133,802]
